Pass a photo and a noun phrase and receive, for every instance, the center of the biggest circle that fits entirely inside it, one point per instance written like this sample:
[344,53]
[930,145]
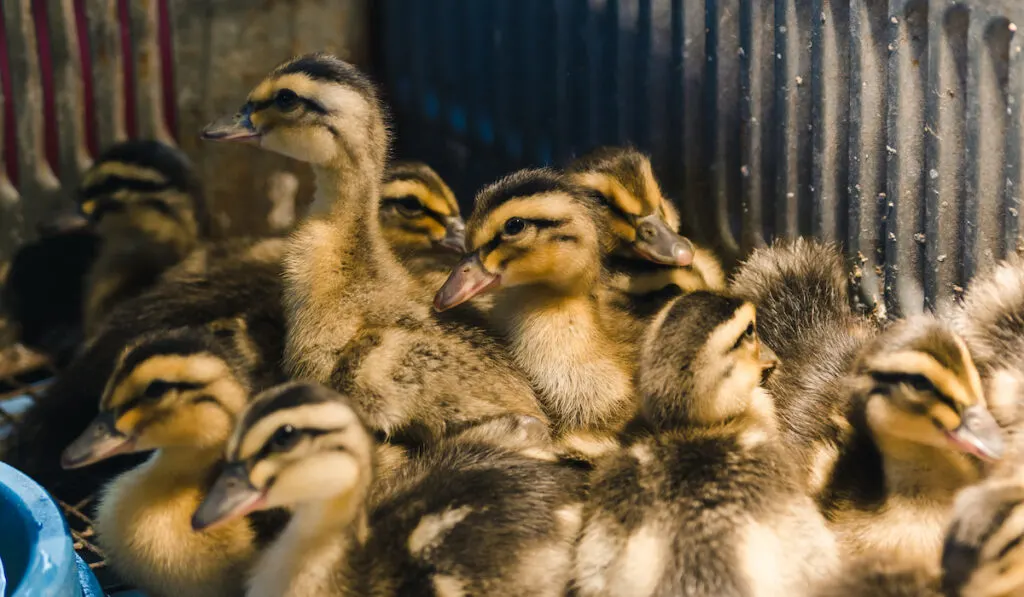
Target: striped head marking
[921,385]
[418,210]
[171,389]
[640,216]
[702,360]
[143,184]
[296,443]
[530,228]
[315,108]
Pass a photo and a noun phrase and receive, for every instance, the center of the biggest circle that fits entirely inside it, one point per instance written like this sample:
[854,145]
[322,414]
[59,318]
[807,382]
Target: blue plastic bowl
[36,552]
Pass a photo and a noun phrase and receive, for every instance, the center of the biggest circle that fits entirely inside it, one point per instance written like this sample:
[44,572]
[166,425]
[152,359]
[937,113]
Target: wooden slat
[107,71]
[149,107]
[36,180]
[69,91]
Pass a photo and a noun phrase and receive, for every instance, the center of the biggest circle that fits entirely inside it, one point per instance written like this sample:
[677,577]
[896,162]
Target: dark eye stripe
[303,432]
[910,379]
[439,217]
[536,222]
[171,385]
[313,105]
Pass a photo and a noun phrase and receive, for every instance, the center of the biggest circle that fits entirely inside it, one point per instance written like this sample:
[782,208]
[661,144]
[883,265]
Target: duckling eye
[284,439]
[514,226]
[409,206]
[157,388]
[749,332]
[286,100]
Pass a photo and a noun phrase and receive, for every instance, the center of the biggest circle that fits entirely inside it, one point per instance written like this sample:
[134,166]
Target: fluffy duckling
[701,500]
[420,219]
[920,432]
[538,241]
[801,293]
[146,204]
[651,256]
[43,292]
[984,553]
[466,519]
[179,393]
[878,576]
[354,318]
[245,283]
[991,321]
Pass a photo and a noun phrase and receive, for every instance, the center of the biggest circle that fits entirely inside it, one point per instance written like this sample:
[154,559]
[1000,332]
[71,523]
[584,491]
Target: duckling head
[147,187]
[919,385]
[983,555]
[418,211]
[702,362]
[296,444]
[532,228]
[315,108]
[643,220]
[173,389]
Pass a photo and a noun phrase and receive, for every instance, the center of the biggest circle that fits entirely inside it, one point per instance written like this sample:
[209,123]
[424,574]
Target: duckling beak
[455,234]
[65,221]
[978,434]
[232,495]
[468,279]
[237,128]
[99,441]
[656,242]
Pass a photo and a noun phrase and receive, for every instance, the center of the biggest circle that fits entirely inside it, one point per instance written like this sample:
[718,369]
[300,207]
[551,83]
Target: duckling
[991,321]
[43,292]
[245,284]
[983,554]
[420,219]
[801,293]
[464,519]
[538,241]
[177,392]
[146,204]
[701,499]
[920,431]
[652,257]
[354,318]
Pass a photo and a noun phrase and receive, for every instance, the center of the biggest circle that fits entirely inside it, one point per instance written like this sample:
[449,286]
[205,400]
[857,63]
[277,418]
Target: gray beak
[237,128]
[468,279]
[657,242]
[99,441]
[455,234]
[978,434]
[231,496]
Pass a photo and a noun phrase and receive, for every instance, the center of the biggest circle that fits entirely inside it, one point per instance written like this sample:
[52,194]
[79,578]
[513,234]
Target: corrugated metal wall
[893,127]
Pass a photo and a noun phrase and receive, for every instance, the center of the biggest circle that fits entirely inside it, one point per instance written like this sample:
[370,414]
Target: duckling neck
[560,342]
[354,196]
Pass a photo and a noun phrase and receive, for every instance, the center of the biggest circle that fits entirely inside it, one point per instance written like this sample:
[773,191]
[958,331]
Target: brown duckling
[355,318]
[652,258]
[177,392]
[920,431]
[462,519]
[538,241]
[801,292]
[146,204]
[702,498]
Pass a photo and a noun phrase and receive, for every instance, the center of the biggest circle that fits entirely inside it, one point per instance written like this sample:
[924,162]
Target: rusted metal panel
[69,91]
[37,182]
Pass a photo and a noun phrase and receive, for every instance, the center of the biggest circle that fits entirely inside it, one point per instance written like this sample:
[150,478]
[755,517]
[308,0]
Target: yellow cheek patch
[127,422]
[944,415]
[652,191]
[724,337]
[492,263]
